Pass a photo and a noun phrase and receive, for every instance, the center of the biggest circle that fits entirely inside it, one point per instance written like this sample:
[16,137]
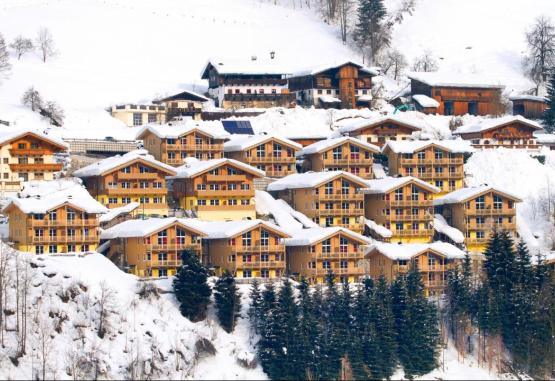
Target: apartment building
[174,144]
[379,131]
[332,198]
[27,155]
[247,248]
[477,212]
[137,115]
[507,132]
[433,261]
[340,154]
[314,253]
[54,217]
[216,190]
[272,154]
[134,177]
[184,104]
[438,162]
[153,247]
[402,205]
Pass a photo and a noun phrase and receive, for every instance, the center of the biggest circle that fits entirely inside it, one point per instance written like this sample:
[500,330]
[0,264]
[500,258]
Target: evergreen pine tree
[332,344]
[523,264]
[228,303]
[549,113]
[289,345]
[368,28]
[190,287]
[255,307]
[308,327]
[384,322]
[268,345]
[362,348]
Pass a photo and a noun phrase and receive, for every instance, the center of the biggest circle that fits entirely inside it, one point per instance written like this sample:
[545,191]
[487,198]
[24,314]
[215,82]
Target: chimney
[272,54]
[253,58]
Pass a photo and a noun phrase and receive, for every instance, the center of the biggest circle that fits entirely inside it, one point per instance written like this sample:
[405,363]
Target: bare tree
[5,65]
[541,50]
[31,98]
[54,113]
[45,43]
[344,11]
[393,63]
[21,45]
[44,342]
[425,63]
[106,305]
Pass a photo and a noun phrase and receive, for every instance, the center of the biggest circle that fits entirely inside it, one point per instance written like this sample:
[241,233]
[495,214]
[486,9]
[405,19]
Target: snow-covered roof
[326,144]
[184,94]
[194,168]
[311,180]
[365,98]
[441,226]
[7,134]
[526,97]
[229,229]
[142,228]
[425,101]
[247,66]
[365,123]
[43,196]
[115,212]
[335,65]
[328,99]
[388,184]
[446,79]
[465,194]
[545,138]
[410,250]
[241,142]
[411,146]
[313,235]
[213,129]
[112,163]
[490,124]
[381,230]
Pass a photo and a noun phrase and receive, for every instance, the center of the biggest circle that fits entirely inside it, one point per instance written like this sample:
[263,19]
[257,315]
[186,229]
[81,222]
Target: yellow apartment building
[477,212]
[438,162]
[272,154]
[332,198]
[216,190]
[134,177]
[404,206]
[340,154]
[313,253]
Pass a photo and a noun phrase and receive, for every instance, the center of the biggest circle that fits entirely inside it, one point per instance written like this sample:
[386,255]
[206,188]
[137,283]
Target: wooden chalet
[344,85]
[380,130]
[529,106]
[184,104]
[456,94]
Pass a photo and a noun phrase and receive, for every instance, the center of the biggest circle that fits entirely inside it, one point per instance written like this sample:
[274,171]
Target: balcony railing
[61,223]
[341,196]
[413,232]
[337,271]
[348,161]
[260,264]
[225,192]
[443,161]
[136,191]
[138,176]
[30,151]
[270,159]
[410,202]
[219,178]
[355,227]
[411,217]
[227,208]
[195,147]
[490,212]
[337,254]
[340,212]
[35,167]
[63,238]
[258,249]
[271,173]
[172,246]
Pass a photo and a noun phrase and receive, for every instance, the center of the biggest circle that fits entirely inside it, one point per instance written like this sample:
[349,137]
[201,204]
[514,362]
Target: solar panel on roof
[238,126]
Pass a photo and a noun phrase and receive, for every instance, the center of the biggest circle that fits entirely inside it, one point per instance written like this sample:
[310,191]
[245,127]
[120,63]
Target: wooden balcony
[258,249]
[62,223]
[411,217]
[220,208]
[476,241]
[253,160]
[488,211]
[348,161]
[36,167]
[194,147]
[338,196]
[260,265]
[138,176]
[356,271]
[443,161]
[487,226]
[30,151]
[354,227]
[225,193]
[77,239]
[224,178]
[337,254]
[136,191]
[409,202]
[272,173]
[440,176]
[163,263]
[413,232]
[172,246]
[340,212]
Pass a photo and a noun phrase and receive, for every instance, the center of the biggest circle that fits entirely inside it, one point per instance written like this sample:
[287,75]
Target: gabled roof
[213,129]
[408,251]
[491,124]
[443,79]
[230,229]
[119,161]
[184,95]
[142,228]
[425,101]
[314,235]
[326,144]
[244,142]
[367,123]
[116,212]
[526,97]
[9,134]
[195,167]
[465,194]
[311,180]
[411,146]
[43,196]
[248,66]
[388,184]
[334,65]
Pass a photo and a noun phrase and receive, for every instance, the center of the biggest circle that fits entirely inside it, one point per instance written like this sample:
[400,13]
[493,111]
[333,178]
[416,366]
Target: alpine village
[370,246]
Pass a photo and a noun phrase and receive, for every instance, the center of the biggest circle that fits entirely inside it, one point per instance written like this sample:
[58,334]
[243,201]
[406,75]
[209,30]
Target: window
[264,238]
[126,185]
[438,154]
[52,216]
[438,170]
[337,153]
[162,237]
[137,119]
[247,273]
[214,202]
[157,185]
[157,200]
[21,145]
[126,170]
[473,108]
[343,245]
[151,118]
[143,169]
[448,108]
[399,194]
[264,257]
[71,248]
[264,273]
[52,249]
[328,188]
[421,155]
[414,193]
[439,184]
[480,234]
[480,202]
[246,239]
[112,200]
[39,249]
[414,211]
[144,200]
[431,263]
[276,150]
[143,184]
[162,257]
[511,204]
[162,272]
[399,226]
[85,232]
[326,265]
[125,200]
[329,221]
[71,232]
[52,232]
[497,202]
[326,246]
